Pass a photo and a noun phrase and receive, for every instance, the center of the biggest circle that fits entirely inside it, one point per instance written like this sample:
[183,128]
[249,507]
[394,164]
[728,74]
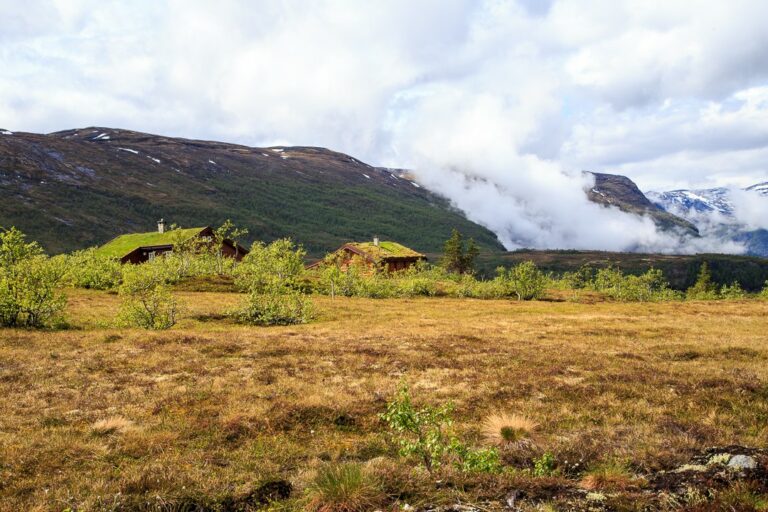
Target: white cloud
[499,103]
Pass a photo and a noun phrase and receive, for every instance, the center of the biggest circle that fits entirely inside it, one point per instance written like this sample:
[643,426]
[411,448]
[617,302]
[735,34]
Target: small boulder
[742,462]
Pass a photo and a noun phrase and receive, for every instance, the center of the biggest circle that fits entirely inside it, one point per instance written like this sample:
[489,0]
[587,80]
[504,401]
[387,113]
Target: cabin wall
[393,265]
[142,255]
[229,251]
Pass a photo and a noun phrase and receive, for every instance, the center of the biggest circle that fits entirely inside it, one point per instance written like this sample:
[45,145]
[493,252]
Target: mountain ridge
[621,192]
[714,208]
[74,188]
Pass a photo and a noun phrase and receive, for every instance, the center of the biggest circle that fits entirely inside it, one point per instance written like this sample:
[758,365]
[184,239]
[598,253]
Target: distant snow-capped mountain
[715,211]
[688,202]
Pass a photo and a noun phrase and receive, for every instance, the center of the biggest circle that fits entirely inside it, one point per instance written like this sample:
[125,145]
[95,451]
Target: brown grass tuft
[347,487]
[611,476]
[506,428]
[112,425]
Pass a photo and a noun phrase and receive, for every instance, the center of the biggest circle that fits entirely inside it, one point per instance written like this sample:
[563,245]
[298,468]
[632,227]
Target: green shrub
[276,306]
[421,432]
[544,465]
[146,300]
[647,287]
[273,274]
[376,286]
[28,283]
[424,433]
[227,231]
[265,267]
[88,269]
[575,282]
[345,487]
[704,288]
[524,281]
[764,293]
[482,460]
[733,291]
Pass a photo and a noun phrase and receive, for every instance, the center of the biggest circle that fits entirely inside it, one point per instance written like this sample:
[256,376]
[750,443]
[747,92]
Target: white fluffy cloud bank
[497,104]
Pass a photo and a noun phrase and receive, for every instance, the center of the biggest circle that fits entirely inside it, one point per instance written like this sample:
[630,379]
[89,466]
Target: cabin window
[151,255]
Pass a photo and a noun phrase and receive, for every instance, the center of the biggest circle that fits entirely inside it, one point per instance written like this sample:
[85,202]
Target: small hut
[141,247]
[377,254]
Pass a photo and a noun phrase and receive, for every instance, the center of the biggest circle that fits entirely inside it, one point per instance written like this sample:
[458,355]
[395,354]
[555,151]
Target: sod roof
[124,244]
[385,250]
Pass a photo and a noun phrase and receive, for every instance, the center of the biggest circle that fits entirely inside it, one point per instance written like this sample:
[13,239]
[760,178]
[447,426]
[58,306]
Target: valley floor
[207,412]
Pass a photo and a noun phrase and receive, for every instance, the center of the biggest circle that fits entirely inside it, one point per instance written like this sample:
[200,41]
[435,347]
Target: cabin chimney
[376,241]
[161,226]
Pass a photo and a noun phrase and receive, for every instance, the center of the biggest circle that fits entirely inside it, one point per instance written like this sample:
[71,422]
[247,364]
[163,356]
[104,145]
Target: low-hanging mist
[498,104]
[471,149]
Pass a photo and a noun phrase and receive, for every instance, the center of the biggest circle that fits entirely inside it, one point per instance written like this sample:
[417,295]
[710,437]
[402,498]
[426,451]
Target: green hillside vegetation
[70,192]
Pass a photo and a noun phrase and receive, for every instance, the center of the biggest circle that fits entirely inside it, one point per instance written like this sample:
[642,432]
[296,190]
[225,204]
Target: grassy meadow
[208,414]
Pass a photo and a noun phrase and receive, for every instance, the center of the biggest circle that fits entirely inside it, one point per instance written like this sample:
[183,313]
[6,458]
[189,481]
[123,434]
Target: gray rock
[742,462]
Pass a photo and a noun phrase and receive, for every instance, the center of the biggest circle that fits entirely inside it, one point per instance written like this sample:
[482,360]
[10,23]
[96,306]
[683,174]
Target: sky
[497,104]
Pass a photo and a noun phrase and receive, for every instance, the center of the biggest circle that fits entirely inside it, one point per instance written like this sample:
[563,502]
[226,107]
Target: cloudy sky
[484,98]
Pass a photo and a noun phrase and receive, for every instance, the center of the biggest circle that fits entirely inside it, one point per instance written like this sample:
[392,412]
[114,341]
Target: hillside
[78,188]
[621,192]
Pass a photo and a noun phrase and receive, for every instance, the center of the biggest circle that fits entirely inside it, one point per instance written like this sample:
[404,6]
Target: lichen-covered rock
[742,462]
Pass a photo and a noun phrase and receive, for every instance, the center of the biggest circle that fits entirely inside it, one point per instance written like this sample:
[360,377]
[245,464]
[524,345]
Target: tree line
[278,288]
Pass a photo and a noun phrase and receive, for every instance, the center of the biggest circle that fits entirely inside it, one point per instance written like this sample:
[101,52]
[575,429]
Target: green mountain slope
[78,188]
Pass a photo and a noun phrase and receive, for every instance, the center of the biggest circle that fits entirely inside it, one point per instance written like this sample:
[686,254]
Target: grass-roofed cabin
[141,247]
[389,256]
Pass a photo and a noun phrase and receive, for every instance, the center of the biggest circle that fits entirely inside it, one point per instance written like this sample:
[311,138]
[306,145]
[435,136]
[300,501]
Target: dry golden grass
[504,428]
[223,408]
[112,425]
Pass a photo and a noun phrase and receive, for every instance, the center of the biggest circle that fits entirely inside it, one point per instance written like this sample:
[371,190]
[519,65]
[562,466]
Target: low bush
[272,275]
[146,300]
[648,287]
[88,269]
[733,291]
[268,267]
[764,293]
[425,434]
[276,306]
[524,281]
[29,282]
[544,465]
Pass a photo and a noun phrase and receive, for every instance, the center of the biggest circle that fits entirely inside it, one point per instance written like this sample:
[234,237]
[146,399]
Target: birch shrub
[272,275]
[88,269]
[146,299]
[29,282]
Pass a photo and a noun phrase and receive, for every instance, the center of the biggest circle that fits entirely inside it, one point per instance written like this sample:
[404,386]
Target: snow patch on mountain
[760,188]
[725,213]
[688,203]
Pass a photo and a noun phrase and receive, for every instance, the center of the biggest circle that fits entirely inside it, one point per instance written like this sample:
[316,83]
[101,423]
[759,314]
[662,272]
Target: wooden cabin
[141,247]
[388,256]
